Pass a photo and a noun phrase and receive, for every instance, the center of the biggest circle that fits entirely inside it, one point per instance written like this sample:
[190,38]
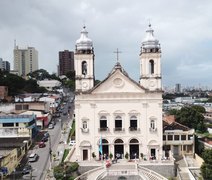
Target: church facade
[118,116]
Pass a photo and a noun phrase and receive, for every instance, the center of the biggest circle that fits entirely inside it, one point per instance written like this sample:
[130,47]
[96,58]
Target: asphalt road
[42,165]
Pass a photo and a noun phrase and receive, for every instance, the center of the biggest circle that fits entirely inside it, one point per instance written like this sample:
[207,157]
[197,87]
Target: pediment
[118,83]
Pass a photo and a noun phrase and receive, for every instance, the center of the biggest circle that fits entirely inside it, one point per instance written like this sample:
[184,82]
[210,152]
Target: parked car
[51,126]
[27,169]
[33,157]
[65,113]
[46,135]
[44,139]
[41,144]
[72,142]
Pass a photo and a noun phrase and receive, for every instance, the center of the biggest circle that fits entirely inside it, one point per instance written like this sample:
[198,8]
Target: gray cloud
[182,27]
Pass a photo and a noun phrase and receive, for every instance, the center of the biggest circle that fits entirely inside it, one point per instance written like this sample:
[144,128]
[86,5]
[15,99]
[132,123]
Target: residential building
[17,126]
[25,60]
[3,92]
[118,116]
[178,140]
[66,62]
[50,85]
[16,133]
[4,65]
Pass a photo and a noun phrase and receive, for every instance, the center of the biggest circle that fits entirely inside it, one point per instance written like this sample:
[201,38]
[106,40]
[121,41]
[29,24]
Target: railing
[118,129]
[178,174]
[85,130]
[134,129]
[101,176]
[103,129]
[71,152]
[150,174]
[85,175]
[153,130]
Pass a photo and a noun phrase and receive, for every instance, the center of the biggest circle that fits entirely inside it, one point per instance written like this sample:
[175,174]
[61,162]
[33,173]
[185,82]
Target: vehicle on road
[46,135]
[72,142]
[65,113]
[33,157]
[27,169]
[51,126]
[41,144]
[44,139]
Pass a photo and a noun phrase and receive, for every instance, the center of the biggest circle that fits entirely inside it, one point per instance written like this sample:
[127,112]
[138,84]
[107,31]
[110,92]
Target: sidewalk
[63,144]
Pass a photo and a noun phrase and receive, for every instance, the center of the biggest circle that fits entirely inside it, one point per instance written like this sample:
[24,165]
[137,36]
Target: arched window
[84,125]
[103,123]
[133,123]
[118,123]
[118,141]
[151,67]
[153,124]
[134,141]
[84,67]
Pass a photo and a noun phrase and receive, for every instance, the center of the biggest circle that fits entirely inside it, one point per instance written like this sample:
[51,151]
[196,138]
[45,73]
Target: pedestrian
[58,153]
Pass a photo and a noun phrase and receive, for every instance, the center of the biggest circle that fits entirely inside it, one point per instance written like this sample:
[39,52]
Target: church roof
[116,68]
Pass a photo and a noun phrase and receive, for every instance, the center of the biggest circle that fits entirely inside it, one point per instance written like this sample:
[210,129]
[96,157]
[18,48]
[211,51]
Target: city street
[57,141]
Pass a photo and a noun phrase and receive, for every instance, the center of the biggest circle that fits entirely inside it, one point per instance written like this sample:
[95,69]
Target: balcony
[134,129]
[153,130]
[102,129]
[84,130]
[119,129]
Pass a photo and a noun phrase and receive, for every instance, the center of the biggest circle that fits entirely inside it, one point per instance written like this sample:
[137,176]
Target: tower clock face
[84,85]
[152,83]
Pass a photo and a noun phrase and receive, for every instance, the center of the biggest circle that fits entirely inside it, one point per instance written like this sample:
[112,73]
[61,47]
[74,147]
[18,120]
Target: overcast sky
[184,29]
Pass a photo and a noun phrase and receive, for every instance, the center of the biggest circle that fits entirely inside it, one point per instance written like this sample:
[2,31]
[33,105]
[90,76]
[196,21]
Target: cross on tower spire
[117,54]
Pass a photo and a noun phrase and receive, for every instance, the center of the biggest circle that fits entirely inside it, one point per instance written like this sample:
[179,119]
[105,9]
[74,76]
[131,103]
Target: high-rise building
[178,88]
[66,62]
[4,65]
[25,60]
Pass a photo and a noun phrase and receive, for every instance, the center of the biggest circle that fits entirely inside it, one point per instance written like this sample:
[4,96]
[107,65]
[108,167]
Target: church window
[118,123]
[84,67]
[103,123]
[84,125]
[151,67]
[133,123]
[153,125]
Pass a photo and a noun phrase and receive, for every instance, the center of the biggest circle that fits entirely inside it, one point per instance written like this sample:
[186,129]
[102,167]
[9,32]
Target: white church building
[119,115]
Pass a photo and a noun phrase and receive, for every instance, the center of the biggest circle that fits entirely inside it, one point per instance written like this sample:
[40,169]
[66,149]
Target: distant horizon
[182,28]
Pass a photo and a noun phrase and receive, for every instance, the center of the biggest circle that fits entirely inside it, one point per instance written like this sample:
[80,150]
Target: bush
[126,155]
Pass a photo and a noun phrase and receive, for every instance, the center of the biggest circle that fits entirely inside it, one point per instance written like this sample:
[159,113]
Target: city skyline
[182,28]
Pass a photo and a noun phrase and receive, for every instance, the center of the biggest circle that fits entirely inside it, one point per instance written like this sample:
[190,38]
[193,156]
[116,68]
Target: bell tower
[84,62]
[150,62]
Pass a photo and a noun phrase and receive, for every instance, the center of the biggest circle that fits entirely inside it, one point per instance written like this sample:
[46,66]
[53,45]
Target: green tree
[206,168]
[32,87]
[14,83]
[71,75]
[200,109]
[191,118]
[39,74]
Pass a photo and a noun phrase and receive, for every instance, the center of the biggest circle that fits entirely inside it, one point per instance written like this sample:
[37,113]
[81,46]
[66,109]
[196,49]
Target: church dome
[84,43]
[150,42]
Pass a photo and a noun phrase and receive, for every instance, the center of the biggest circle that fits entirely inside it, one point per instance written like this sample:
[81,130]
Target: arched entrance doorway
[134,148]
[118,149]
[105,148]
